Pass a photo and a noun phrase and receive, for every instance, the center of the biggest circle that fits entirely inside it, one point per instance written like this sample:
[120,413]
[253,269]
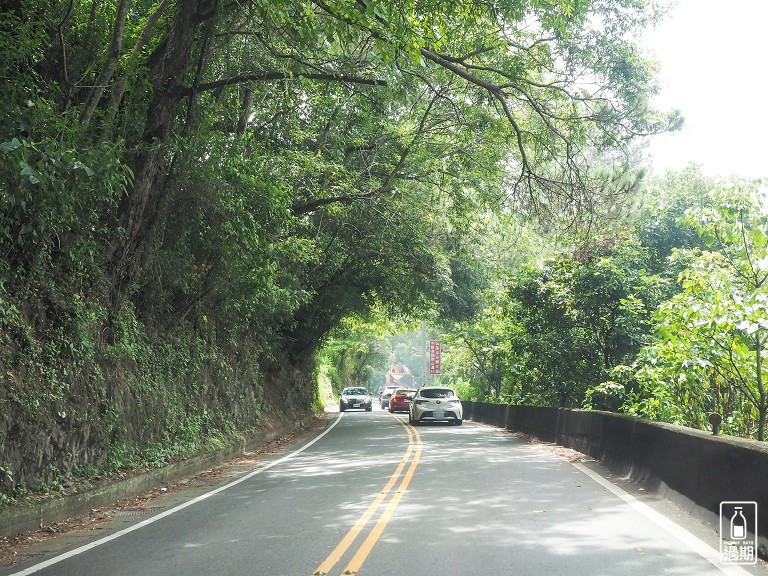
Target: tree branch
[277,75]
[299,209]
[114,51]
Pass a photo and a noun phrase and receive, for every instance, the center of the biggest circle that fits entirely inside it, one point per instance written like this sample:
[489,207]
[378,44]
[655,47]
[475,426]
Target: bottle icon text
[738,532]
[738,525]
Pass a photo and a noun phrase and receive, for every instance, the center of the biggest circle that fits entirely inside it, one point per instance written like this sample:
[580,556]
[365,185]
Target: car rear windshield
[355,391]
[437,393]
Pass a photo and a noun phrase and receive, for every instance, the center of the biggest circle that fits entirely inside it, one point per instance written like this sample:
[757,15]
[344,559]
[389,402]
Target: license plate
[356,405]
[439,414]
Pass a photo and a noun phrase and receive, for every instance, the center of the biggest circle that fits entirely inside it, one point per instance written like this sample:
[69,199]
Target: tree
[557,91]
[486,339]
[371,108]
[613,296]
[580,318]
[551,357]
[659,218]
[719,321]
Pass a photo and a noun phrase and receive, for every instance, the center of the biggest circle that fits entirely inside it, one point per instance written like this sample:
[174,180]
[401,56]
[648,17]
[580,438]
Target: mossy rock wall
[124,407]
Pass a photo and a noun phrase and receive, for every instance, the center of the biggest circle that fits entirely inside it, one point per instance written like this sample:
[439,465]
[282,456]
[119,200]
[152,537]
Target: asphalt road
[374,496]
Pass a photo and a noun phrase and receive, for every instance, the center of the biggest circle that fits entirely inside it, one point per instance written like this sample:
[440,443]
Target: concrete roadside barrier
[693,468]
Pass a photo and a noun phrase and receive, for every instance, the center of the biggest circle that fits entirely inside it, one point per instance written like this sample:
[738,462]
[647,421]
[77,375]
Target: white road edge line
[116,535]
[694,543]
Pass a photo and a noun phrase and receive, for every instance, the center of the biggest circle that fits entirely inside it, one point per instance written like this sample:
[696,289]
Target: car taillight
[421,401]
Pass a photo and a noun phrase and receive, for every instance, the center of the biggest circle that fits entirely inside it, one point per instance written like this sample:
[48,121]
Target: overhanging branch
[279,75]
[300,209]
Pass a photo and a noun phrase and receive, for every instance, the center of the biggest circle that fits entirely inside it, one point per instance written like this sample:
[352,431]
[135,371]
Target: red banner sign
[434,357]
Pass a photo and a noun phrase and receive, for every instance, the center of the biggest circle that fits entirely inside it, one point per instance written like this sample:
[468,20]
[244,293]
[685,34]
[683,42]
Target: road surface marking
[698,546]
[353,533]
[362,554]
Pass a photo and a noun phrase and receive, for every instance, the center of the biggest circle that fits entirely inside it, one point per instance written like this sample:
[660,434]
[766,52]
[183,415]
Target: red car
[401,400]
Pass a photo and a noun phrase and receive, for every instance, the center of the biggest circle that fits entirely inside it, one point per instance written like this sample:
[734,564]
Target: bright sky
[714,68]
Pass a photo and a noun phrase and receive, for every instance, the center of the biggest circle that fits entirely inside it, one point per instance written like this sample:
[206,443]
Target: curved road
[372,495]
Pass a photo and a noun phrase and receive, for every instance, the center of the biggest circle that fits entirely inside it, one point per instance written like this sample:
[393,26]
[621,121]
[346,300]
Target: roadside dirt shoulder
[100,521]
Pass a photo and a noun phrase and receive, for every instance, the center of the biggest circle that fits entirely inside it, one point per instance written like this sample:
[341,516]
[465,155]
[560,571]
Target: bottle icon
[738,525]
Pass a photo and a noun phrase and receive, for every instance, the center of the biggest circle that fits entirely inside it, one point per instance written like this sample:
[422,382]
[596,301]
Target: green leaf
[10,146]
[79,165]
[747,326]
[26,170]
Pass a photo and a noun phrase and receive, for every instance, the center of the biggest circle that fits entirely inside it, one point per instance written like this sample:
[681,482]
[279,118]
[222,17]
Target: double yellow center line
[412,455]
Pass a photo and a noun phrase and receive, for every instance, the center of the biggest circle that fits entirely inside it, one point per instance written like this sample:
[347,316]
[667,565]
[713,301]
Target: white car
[435,404]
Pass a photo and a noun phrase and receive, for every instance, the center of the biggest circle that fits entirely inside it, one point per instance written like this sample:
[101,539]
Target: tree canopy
[663,319]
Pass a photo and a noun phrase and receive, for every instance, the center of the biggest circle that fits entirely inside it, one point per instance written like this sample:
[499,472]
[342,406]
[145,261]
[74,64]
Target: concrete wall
[690,467]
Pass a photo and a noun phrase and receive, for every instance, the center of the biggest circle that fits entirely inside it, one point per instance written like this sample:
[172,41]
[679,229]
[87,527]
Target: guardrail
[693,468]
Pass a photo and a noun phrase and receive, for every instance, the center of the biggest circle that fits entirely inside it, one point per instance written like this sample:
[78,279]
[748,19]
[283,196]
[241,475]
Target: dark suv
[355,398]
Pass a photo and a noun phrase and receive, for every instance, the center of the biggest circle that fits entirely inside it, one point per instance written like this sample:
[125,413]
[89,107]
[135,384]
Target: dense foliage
[711,336]
[663,319]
